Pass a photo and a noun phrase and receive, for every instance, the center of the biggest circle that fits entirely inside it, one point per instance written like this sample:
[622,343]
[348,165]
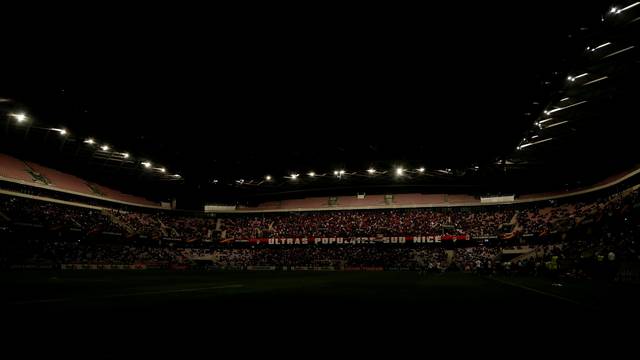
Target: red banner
[356,240]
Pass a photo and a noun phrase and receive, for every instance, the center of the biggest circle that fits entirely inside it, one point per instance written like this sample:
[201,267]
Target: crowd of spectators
[150,224]
[356,223]
[57,252]
[595,234]
[337,257]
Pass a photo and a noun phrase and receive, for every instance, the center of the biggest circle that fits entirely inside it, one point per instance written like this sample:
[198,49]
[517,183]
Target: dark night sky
[257,91]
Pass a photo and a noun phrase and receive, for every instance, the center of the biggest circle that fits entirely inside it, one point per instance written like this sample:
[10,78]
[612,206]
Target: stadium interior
[357,173]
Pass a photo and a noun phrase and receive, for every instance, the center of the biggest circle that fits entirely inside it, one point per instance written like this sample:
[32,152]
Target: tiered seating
[62,180]
[117,195]
[369,200]
[12,168]
[462,199]
[418,199]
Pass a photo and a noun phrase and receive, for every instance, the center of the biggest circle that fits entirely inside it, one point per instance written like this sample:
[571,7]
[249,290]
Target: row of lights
[21,118]
[399,171]
[614,10]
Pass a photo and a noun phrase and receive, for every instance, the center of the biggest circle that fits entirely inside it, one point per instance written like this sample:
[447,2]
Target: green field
[110,313]
[317,291]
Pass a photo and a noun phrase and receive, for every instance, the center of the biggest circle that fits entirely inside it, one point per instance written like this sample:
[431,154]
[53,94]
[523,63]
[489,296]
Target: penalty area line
[523,287]
[143,293]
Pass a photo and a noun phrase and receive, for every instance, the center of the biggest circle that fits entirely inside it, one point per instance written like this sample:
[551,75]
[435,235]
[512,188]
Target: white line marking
[537,291]
[39,301]
[144,293]
[167,291]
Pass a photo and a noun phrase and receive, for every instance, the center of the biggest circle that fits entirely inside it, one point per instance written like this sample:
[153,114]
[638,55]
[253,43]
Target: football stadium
[296,172]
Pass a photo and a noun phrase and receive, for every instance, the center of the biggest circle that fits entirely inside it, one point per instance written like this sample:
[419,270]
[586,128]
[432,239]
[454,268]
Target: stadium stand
[12,169]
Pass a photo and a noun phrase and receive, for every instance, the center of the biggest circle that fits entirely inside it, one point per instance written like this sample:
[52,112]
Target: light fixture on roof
[556,124]
[268,177]
[421,169]
[371,171]
[62,132]
[336,172]
[294,176]
[476,167]
[146,164]
[105,147]
[619,51]
[613,10]
[162,170]
[596,80]
[628,7]
[579,76]
[601,46]
[533,143]
[125,155]
[399,171]
[89,141]
[176,176]
[311,174]
[20,117]
[341,172]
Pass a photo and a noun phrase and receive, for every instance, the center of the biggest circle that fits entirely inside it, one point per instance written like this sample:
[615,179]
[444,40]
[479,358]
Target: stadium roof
[474,94]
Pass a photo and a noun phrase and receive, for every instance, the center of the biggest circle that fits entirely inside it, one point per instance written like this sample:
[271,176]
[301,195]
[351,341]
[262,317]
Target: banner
[261,268]
[356,240]
[364,268]
[102,267]
[312,268]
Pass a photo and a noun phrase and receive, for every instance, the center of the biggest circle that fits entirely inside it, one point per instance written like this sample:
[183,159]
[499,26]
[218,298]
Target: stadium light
[268,177]
[336,172]
[311,174]
[105,147]
[627,8]
[20,117]
[62,132]
[341,172]
[600,46]
[125,155]
[533,143]
[89,141]
[596,80]
[294,176]
[574,78]
[556,124]
[146,164]
[371,171]
[399,171]
[176,176]
[572,105]
[619,51]
[613,10]
[421,169]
